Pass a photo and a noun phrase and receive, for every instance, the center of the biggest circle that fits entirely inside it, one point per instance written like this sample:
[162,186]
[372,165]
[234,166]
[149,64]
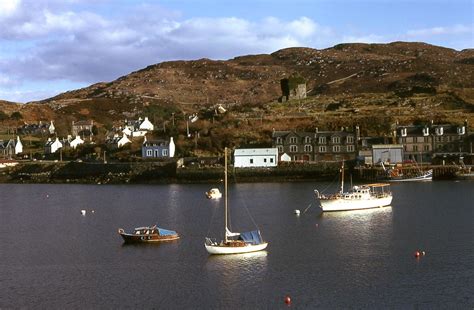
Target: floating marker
[83,212]
[423,253]
[297,212]
[417,254]
[287,300]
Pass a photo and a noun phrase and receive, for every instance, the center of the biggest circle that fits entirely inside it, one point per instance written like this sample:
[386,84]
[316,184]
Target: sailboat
[357,198]
[234,242]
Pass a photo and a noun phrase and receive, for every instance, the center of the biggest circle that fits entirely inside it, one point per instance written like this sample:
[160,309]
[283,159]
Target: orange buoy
[417,254]
[287,300]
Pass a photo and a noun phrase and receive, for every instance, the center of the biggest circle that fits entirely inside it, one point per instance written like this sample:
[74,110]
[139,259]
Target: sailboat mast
[225,193]
[342,178]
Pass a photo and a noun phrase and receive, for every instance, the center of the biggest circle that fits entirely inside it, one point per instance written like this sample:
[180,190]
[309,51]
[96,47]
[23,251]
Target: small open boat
[213,193]
[148,234]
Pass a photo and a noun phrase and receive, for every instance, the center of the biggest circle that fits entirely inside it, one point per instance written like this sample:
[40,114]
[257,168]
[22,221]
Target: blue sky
[51,46]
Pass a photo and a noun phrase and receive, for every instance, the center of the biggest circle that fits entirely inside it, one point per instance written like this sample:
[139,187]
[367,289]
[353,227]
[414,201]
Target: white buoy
[297,212]
[83,212]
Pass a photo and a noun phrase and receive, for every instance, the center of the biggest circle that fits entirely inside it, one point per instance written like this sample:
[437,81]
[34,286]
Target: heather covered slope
[373,85]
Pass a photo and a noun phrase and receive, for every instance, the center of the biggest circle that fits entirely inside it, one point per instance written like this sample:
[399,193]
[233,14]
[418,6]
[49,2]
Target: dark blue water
[53,257]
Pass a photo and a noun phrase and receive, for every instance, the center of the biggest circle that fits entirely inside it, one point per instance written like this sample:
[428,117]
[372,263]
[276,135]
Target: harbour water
[53,257]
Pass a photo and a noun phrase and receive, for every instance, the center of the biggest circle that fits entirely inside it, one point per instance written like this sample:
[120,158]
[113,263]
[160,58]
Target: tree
[16,116]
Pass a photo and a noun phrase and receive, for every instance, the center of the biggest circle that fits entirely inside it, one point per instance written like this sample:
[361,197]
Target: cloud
[8,7]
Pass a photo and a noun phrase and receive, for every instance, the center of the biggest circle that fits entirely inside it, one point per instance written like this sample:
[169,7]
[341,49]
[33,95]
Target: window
[149,153]
[350,148]
[336,140]
[415,148]
[251,160]
[165,152]
[322,149]
[293,148]
[293,140]
[308,148]
[426,147]
[280,149]
[336,148]
[426,140]
[279,140]
[307,139]
[350,139]
[322,140]
[264,160]
[271,160]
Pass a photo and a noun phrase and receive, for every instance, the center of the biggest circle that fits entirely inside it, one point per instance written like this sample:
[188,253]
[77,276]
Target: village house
[117,142]
[158,148]
[261,157]
[82,128]
[316,146]
[137,128]
[34,129]
[76,142]
[11,147]
[52,146]
[422,143]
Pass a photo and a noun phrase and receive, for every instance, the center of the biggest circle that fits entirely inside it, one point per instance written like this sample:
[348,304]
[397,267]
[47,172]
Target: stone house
[316,146]
[82,128]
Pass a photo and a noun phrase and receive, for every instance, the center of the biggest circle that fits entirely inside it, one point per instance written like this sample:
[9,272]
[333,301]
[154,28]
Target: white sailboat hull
[221,249]
[342,204]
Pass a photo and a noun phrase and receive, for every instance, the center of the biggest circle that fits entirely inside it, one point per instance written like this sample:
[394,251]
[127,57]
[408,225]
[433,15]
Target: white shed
[387,153]
[256,157]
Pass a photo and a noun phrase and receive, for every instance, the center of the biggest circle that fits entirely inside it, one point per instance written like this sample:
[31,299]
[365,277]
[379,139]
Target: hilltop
[373,85]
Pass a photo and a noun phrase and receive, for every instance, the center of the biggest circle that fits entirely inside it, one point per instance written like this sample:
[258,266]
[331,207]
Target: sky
[51,46]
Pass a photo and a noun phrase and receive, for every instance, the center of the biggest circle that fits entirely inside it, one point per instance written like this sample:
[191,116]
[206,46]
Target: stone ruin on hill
[293,88]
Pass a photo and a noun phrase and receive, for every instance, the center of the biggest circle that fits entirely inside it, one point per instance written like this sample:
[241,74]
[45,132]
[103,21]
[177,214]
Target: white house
[256,157]
[52,146]
[51,128]
[122,141]
[76,142]
[18,146]
[146,125]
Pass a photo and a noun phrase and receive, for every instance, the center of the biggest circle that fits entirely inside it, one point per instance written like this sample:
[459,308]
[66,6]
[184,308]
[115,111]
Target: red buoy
[417,254]
[287,300]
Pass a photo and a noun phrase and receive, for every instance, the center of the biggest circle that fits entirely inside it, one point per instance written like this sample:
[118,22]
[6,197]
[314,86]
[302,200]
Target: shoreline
[168,173]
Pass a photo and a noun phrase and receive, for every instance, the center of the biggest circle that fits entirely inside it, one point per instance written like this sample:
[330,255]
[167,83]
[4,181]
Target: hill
[372,85]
